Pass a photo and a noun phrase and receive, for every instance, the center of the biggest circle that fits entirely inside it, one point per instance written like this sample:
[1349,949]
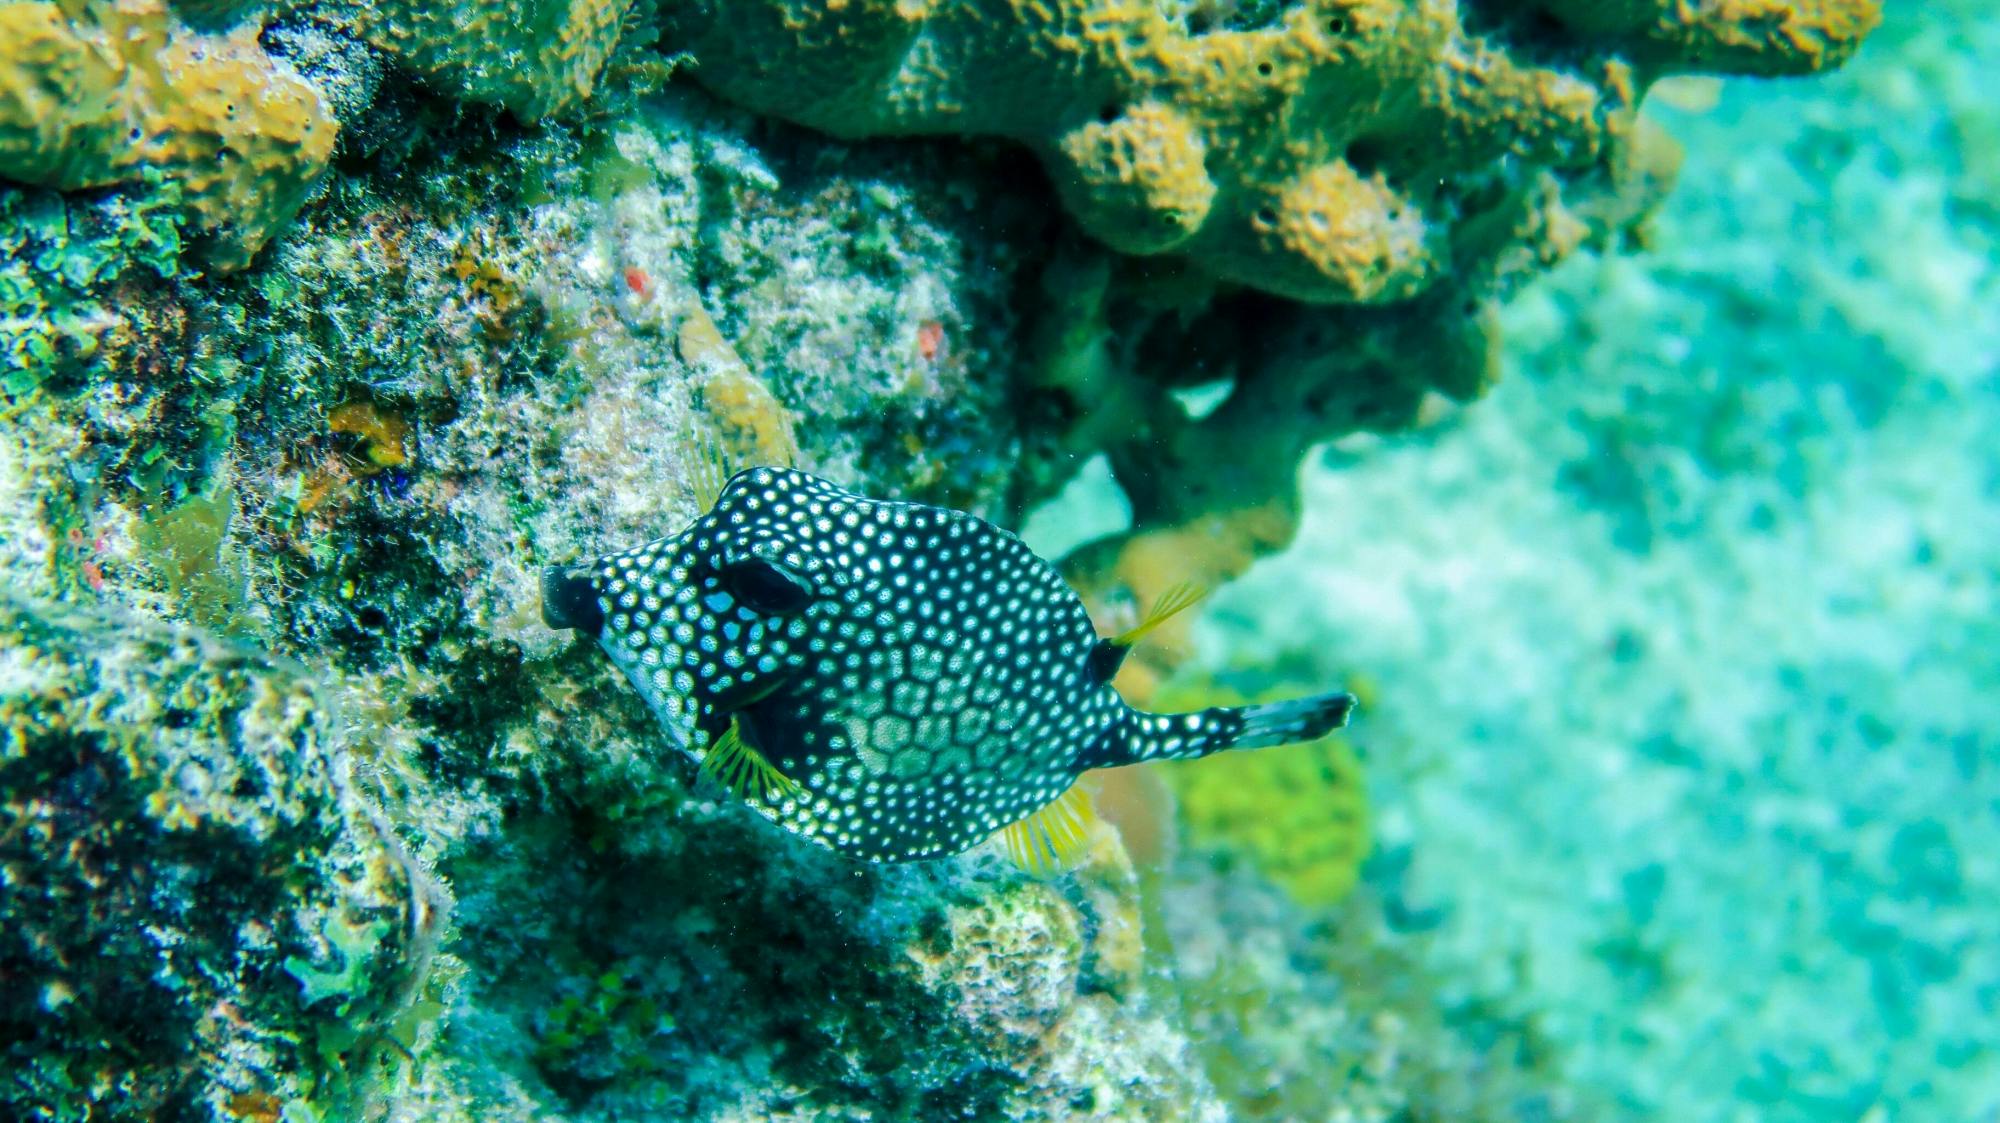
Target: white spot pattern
[931,686]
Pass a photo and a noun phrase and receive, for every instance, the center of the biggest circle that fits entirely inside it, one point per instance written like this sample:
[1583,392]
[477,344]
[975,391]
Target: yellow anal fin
[1051,839]
[1168,605]
[734,764]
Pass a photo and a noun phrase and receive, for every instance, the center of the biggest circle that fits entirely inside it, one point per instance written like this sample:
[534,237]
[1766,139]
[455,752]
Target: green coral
[1738,36]
[60,259]
[1334,151]
[176,832]
[1300,817]
[534,57]
[602,1018]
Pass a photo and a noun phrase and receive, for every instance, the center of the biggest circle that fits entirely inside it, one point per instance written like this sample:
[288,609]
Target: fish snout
[569,601]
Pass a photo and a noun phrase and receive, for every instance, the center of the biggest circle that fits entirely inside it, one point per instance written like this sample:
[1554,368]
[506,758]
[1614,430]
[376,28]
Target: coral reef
[1334,151]
[190,878]
[1412,161]
[534,57]
[1767,37]
[273,513]
[141,91]
[357,453]
[123,90]
[683,960]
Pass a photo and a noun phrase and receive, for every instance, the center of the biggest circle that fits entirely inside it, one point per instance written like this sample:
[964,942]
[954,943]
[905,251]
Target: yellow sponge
[123,87]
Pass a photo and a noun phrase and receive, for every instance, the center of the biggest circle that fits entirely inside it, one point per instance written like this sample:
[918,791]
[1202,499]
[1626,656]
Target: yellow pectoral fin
[1170,604]
[1052,839]
[734,764]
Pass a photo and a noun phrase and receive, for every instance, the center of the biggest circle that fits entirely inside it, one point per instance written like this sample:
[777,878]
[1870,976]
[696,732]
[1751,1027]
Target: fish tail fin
[1289,723]
[1186,736]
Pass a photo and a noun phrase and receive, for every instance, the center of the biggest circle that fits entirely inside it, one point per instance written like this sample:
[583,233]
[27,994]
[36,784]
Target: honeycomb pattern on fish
[921,677]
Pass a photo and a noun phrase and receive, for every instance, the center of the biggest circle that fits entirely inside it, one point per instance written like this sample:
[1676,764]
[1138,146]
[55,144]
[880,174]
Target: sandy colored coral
[533,57]
[115,91]
[1333,151]
[1739,36]
[105,92]
[1214,489]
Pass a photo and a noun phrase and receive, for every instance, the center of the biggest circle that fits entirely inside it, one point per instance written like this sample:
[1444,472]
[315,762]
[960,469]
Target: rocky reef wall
[323,326]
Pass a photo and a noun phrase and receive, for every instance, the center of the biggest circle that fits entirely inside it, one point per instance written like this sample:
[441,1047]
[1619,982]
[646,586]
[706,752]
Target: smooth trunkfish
[893,680]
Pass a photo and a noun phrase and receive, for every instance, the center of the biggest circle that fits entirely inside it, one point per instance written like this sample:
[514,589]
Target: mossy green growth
[188,544]
[60,258]
[1300,816]
[199,910]
[605,1015]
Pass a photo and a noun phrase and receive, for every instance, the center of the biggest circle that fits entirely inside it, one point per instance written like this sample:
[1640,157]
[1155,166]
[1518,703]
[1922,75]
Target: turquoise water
[1688,735]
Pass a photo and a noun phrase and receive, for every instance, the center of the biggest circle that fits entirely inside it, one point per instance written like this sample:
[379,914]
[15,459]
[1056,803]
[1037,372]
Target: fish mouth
[569,602]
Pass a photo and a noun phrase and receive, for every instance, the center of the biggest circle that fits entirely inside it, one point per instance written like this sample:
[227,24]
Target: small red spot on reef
[930,339]
[636,280]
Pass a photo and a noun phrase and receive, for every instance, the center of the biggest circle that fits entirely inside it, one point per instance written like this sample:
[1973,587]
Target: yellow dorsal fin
[1050,840]
[707,472]
[1168,605]
[744,771]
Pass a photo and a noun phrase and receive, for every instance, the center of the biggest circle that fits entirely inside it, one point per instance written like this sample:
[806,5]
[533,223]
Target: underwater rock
[128,93]
[200,916]
[358,451]
[687,960]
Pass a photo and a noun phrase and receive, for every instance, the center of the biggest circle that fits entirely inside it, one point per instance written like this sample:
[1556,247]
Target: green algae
[60,259]
[1299,817]
[188,544]
[177,829]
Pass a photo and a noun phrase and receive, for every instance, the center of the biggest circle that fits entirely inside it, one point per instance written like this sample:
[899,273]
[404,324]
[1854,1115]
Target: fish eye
[765,587]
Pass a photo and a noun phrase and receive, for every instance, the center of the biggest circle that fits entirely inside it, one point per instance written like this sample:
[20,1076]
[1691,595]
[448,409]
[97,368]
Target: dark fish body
[919,675]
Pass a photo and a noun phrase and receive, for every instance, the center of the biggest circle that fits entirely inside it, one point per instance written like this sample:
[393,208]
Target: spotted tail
[1186,736]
